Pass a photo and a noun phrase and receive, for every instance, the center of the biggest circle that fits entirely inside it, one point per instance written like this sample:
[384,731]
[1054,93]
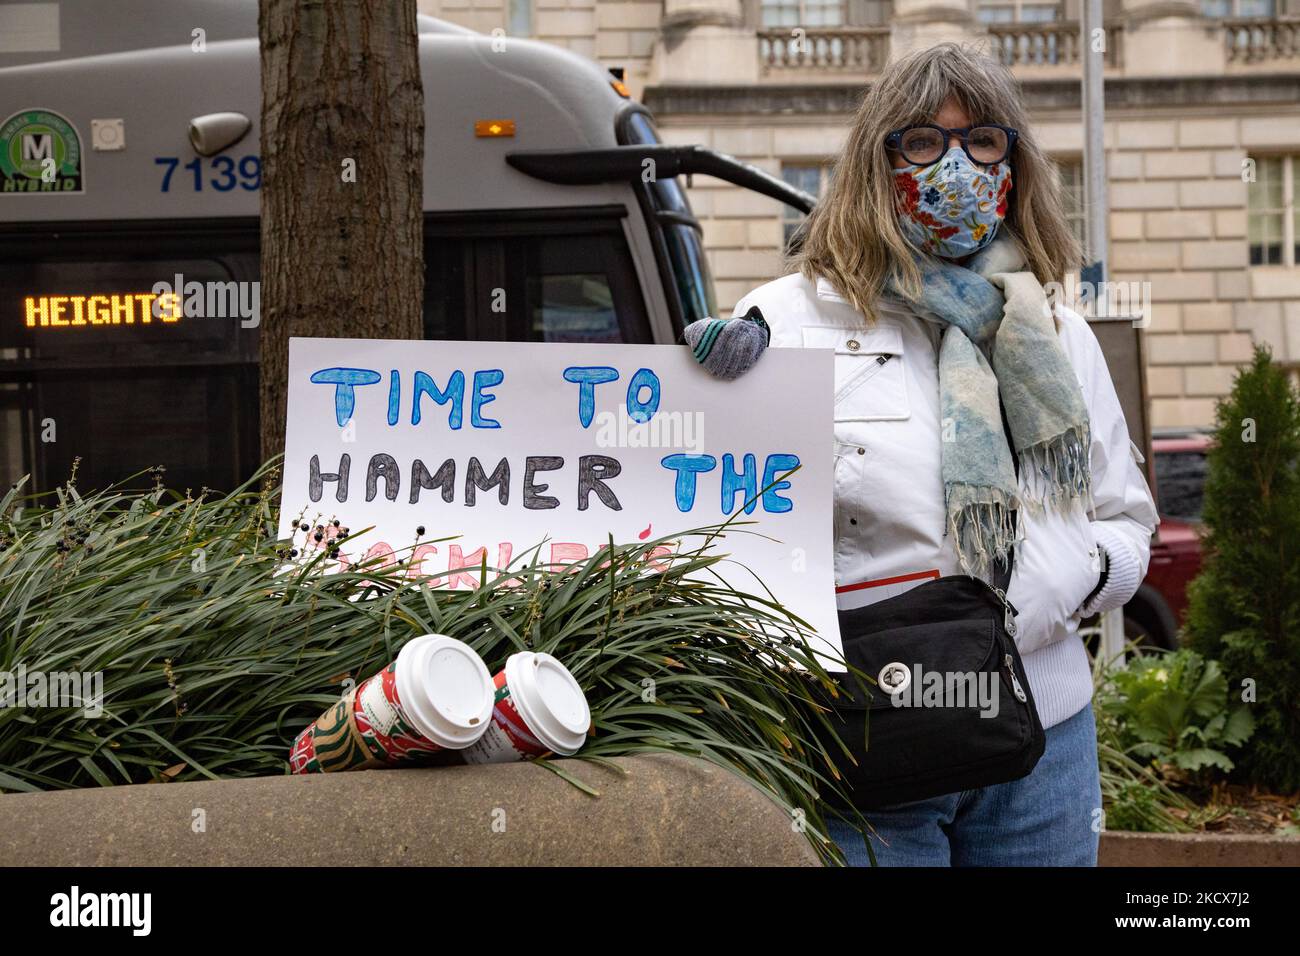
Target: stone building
[1202,136]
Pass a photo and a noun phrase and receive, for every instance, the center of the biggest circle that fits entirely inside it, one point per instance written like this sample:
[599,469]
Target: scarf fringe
[980,521]
[1057,471]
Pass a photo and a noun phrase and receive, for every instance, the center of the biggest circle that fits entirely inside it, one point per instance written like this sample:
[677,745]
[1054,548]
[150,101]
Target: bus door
[97,369]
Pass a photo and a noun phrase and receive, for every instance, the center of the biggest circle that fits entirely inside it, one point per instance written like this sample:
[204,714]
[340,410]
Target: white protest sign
[512,444]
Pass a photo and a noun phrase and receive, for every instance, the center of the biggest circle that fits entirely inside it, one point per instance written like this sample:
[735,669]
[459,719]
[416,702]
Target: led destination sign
[129,308]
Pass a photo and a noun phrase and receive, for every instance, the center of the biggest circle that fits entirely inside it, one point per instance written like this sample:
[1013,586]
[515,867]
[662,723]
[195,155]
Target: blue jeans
[1049,818]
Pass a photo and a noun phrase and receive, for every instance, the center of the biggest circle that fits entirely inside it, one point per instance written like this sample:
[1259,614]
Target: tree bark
[341,92]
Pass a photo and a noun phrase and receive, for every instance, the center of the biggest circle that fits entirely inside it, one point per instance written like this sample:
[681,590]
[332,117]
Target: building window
[1273,212]
[802,13]
[811,178]
[1219,9]
[520,17]
[1071,173]
[1017,11]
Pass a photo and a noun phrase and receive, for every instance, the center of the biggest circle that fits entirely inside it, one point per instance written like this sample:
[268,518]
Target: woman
[923,267]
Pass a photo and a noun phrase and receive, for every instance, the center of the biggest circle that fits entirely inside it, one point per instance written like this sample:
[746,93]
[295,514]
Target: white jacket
[889,507]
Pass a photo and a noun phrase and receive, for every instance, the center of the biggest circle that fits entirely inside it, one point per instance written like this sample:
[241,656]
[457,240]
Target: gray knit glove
[727,348]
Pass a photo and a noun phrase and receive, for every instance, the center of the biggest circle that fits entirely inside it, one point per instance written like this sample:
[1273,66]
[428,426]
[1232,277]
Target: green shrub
[214,657]
[1134,796]
[1137,807]
[1174,709]
[1244,607]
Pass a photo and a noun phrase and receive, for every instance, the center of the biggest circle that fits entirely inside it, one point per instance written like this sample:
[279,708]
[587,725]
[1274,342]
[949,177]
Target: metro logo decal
[40,152]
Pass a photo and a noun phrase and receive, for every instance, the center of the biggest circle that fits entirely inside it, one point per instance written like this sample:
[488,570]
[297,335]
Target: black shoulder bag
[951,708]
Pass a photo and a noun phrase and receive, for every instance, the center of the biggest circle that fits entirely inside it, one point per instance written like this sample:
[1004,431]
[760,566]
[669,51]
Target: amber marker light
[494,128]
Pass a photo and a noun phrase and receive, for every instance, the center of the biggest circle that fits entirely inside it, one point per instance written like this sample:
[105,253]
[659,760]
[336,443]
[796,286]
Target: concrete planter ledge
[1197,849]
[665,811]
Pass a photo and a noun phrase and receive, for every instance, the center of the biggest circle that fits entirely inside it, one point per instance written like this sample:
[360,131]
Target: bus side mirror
[212,133]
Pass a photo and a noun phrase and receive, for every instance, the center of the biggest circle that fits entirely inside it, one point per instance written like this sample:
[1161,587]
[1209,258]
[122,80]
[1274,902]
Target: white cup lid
[445,689]
[549,700]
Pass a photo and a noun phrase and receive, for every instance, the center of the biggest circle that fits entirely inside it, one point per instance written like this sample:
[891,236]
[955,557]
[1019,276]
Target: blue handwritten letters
[428,397]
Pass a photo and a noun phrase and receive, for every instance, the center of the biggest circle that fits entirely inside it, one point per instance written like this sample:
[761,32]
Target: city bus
[129,156]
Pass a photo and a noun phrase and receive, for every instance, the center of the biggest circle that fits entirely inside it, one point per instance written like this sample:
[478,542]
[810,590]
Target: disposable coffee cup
[539,709]
[437,695]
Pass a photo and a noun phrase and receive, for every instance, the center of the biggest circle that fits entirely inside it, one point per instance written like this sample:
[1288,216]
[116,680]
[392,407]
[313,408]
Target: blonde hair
[853,239]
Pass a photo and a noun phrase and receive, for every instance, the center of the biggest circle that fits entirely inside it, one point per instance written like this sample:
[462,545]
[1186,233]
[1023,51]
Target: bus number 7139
[224,173]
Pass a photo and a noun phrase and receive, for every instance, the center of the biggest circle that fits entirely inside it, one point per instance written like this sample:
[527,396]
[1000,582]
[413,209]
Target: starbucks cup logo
[437,695]
[539,709]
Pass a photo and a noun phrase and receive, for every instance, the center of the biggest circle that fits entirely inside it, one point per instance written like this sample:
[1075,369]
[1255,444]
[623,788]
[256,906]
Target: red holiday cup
[539,709]
[437,695]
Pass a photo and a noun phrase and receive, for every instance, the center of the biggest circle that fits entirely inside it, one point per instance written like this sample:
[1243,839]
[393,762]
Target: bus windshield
[681,230]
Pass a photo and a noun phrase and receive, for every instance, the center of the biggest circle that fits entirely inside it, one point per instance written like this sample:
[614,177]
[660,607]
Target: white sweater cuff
[1123,571]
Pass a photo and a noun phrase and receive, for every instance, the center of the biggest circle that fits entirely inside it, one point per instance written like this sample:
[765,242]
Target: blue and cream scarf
[999,335]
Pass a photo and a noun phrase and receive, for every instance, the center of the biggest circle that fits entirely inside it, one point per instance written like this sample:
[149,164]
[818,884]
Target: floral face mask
[952,208]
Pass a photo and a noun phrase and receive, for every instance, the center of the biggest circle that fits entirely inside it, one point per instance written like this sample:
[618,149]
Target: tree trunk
[342,184]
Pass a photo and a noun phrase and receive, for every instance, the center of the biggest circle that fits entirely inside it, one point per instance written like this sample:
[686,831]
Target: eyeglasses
[926,144]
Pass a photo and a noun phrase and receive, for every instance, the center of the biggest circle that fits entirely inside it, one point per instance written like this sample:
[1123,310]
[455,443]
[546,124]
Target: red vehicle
[1156,612]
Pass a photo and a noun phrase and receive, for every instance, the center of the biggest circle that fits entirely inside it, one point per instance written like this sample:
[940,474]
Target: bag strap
[1002,577]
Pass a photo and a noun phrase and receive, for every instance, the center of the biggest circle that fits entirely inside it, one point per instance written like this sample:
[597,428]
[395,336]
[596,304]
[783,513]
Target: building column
[703,42]
[1169,38]
[918,24]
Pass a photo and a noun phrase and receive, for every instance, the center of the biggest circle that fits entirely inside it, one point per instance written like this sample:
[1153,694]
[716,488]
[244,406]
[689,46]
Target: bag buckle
[894,678]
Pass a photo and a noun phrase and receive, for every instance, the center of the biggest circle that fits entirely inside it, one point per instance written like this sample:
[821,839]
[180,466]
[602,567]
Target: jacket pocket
[1056,569]
[870,381]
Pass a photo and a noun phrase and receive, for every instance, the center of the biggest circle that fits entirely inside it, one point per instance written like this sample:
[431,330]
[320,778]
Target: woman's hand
[727,348]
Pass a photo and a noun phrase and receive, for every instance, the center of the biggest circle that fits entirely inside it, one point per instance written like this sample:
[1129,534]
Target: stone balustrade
[1055,44]
[1051,48]
[1274,41]
[862,50]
